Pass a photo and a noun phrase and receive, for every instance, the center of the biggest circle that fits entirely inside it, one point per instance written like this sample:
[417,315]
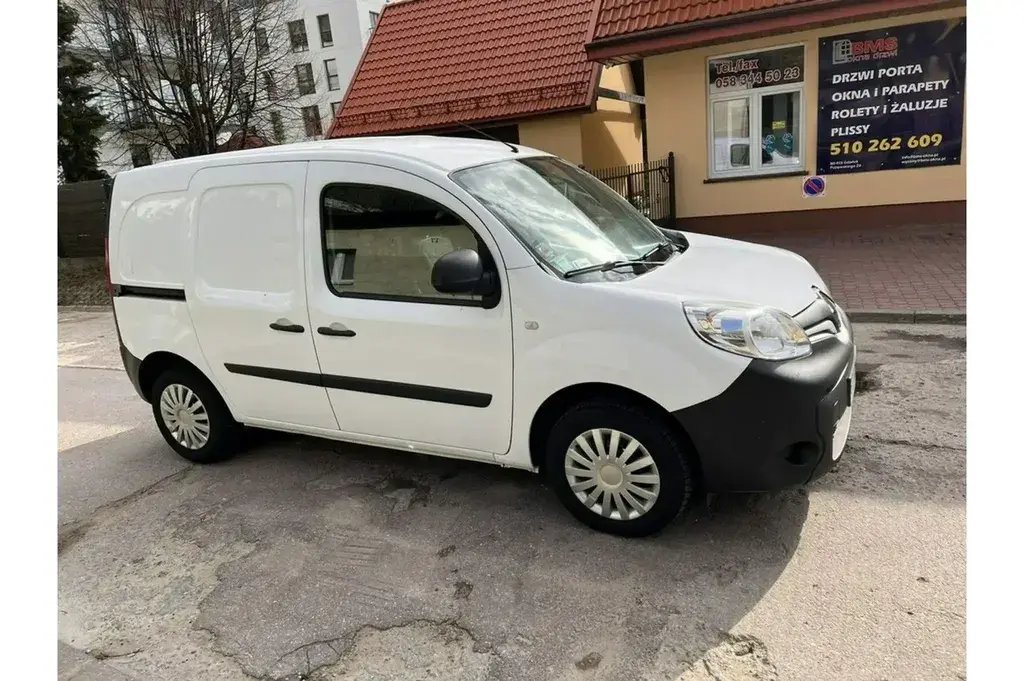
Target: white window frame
[753,97]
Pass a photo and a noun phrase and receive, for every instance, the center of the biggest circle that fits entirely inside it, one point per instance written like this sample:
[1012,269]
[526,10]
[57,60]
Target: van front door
[247,294]
[403,364]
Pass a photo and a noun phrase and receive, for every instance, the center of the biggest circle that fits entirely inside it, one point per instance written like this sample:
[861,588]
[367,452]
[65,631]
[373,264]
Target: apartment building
[327,38]
[322,42]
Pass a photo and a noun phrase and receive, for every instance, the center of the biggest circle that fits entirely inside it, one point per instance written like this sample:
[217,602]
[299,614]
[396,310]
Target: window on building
[215,17]
[335,108]
[238,75]
[297,35]
[270,85]
[135,113]
[374,16]
[383,242]
[331,68]
[755,107]
[236,24]
[304,76]
[311,121]
[278,126]
[262,43]
[324,23]
[141,156]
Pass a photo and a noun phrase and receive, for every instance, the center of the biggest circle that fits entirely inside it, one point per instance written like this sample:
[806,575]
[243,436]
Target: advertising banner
[892,98]
[756,70]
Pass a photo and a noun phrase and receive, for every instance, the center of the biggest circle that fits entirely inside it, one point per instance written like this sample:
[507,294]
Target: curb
[908,316]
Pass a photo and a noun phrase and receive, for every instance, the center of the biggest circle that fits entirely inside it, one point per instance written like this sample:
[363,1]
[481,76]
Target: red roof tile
[235,142]
[434,63]
[622,30]
[620,17]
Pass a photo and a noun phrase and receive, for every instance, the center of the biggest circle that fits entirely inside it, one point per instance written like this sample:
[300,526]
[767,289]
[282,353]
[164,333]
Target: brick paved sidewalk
[913,267]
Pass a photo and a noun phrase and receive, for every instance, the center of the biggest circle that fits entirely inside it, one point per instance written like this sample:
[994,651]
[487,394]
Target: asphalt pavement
[310,559]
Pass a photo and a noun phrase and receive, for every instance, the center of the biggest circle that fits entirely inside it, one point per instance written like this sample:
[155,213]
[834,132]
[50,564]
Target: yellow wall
[676,90]
[612,135]
[558,135]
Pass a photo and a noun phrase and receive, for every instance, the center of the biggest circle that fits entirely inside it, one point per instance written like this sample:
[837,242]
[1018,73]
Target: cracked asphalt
[304,559]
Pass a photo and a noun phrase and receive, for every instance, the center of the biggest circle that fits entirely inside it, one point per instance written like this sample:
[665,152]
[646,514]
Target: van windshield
[572,221]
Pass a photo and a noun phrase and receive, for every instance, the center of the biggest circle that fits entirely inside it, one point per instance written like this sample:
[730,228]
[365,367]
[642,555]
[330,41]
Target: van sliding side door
[247,295]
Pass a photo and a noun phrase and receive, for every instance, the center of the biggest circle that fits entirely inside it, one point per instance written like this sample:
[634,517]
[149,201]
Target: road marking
[71,434]
[88,366]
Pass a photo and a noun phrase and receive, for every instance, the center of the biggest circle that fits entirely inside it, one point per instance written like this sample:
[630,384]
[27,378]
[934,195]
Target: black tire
[224,431]
[668,450]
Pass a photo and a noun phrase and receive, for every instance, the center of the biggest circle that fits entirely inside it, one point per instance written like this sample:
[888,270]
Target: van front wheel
[193,418]
[617,469]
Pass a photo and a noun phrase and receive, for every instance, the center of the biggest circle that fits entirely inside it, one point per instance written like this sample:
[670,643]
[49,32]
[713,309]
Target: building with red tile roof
[754,97]
[517,68]
[435,63]
[622,30]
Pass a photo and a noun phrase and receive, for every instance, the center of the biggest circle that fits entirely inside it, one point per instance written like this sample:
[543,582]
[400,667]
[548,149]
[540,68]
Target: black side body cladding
[772,428]
[410,391]
[121,290]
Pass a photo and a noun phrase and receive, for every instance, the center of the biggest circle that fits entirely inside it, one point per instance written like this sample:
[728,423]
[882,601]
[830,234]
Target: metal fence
[82,209]
[650,187]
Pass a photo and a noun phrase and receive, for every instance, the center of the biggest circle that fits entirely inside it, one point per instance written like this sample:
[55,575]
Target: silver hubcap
[612,474]
[185,416]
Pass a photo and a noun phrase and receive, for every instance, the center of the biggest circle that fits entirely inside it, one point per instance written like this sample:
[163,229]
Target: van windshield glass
[570,219]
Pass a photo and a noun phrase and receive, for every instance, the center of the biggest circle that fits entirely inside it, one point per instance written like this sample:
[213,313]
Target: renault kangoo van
[477,300]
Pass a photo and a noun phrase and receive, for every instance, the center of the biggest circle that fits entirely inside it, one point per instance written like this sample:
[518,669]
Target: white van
[477,300]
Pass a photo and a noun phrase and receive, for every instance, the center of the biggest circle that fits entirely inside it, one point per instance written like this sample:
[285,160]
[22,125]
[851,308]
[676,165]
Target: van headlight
[749,330]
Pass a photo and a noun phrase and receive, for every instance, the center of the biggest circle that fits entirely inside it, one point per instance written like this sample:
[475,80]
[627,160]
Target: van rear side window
[381,242]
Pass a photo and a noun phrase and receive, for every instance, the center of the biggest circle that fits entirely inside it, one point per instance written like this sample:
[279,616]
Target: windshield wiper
[611,265]
[654,251]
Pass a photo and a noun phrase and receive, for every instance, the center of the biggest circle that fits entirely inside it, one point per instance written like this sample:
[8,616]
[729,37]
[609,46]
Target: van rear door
[247,294]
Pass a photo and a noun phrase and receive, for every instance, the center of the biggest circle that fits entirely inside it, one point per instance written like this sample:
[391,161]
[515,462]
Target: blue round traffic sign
[813,186]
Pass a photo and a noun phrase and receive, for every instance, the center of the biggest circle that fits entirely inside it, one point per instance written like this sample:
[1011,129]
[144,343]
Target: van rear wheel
[618,469]
[192,417]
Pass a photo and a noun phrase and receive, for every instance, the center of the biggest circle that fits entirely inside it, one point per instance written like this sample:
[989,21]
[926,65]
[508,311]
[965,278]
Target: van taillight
[106,265]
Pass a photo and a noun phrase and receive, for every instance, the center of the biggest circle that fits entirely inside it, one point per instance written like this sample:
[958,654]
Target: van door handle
[336,329]
[285,325]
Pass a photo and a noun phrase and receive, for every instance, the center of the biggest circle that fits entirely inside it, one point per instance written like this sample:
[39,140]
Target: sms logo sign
[846,51]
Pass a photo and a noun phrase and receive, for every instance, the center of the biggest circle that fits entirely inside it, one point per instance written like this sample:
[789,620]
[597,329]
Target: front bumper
[780,424]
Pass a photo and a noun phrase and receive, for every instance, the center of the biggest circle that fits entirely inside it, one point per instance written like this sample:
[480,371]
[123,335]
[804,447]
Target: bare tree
[187,73]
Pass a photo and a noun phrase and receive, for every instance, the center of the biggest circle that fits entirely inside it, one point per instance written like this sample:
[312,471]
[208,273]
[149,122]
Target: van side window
[381,242]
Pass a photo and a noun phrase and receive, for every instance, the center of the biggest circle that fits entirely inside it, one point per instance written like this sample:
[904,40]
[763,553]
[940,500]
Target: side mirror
[462,271]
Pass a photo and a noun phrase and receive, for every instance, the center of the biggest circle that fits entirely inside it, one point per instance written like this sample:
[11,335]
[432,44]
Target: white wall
[350,26]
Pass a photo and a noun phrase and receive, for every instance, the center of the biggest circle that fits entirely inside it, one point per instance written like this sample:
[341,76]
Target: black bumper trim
[772,428]
[133,367]
[132,364]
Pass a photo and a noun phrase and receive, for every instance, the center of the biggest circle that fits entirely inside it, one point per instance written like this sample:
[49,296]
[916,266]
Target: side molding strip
[409,391]
[149,292]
